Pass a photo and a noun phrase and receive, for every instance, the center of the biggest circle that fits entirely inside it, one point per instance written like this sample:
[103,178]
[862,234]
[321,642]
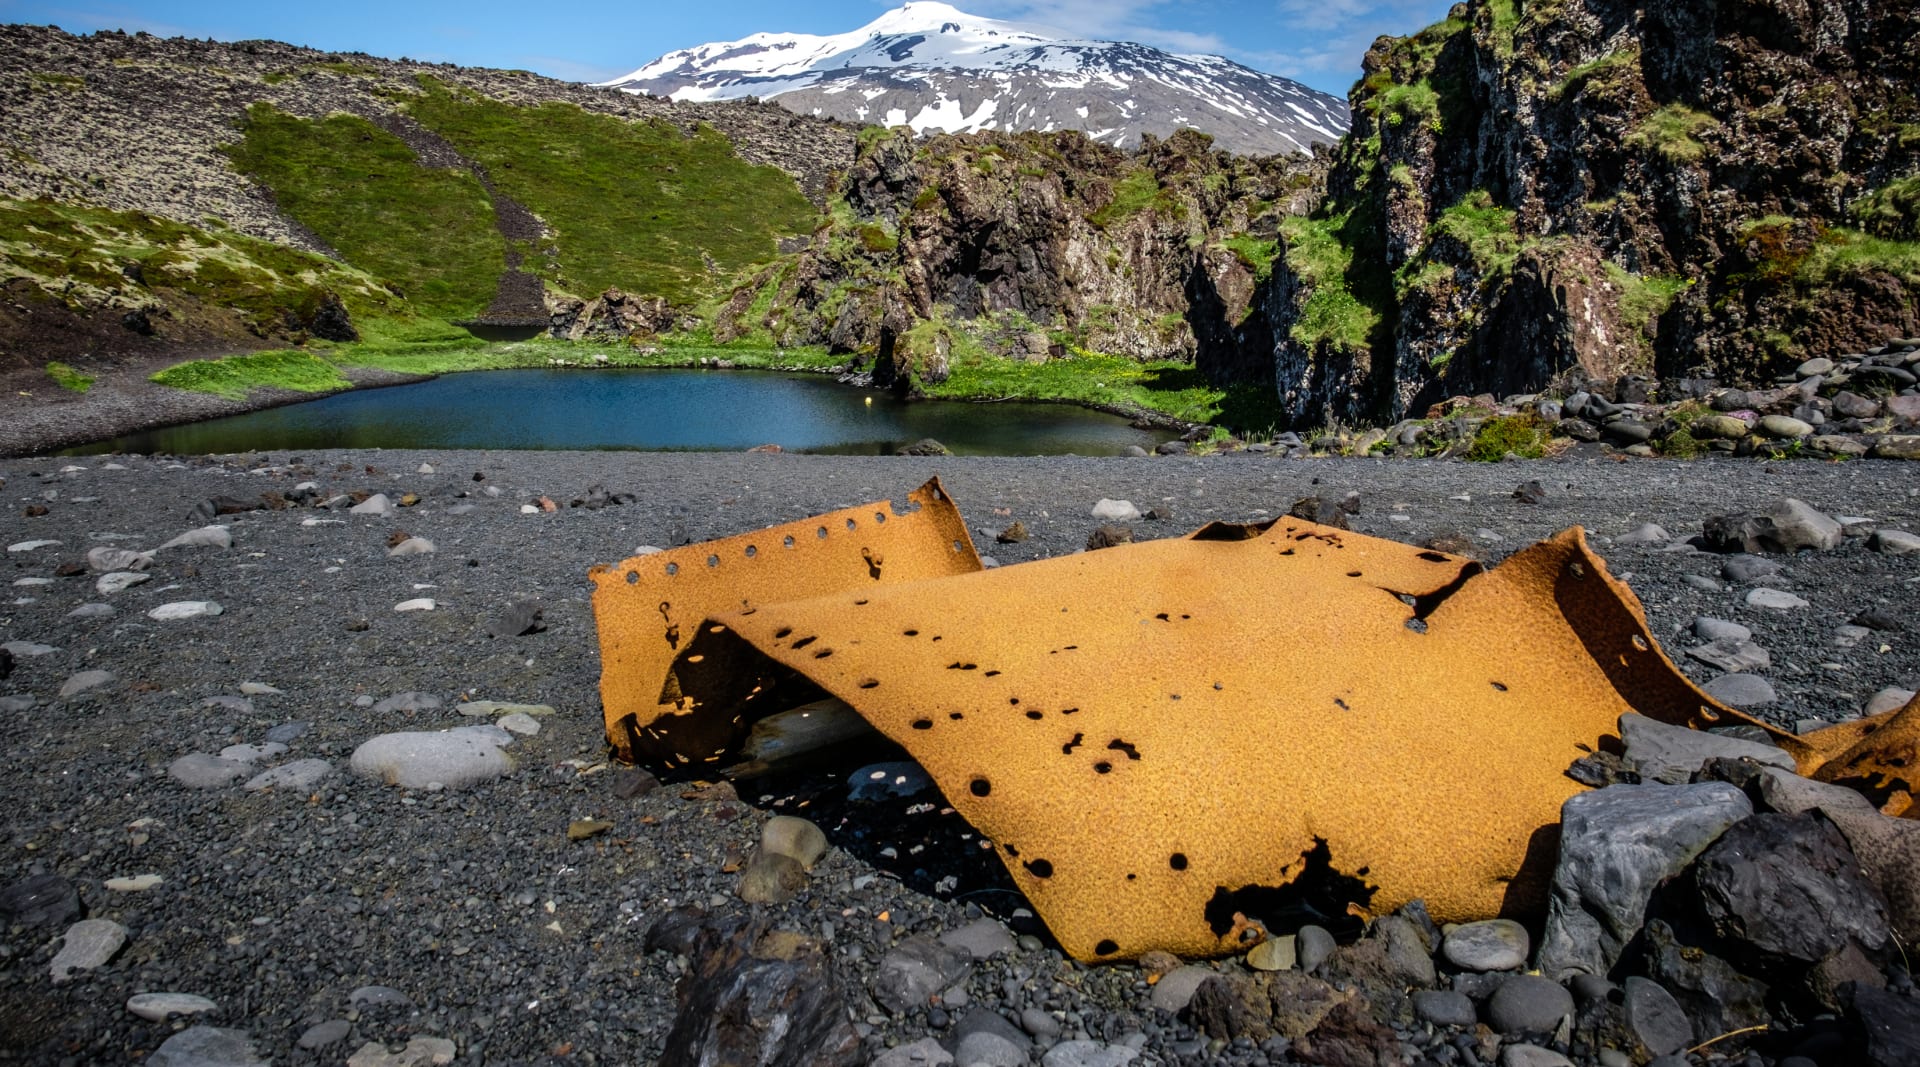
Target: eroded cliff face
[1601,188]
[1030,245]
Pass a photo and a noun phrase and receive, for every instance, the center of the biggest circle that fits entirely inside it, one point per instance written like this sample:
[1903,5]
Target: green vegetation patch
[1892,210]
[1486,229]
[1643,299]
[69,378]
[1257,253]
[1842,253]
[1335,313]
[1596,71]
[1522,435]
[1132,194]
[638,206]
[1673,133]
[93,257]
[429,232]
[235,376]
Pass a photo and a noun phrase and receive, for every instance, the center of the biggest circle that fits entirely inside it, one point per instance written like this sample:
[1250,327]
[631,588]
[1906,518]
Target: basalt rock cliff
[1604,189]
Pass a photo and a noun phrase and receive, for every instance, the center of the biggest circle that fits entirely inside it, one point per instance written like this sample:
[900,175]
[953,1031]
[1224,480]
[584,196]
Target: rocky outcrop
[1031,246]
[1597,188]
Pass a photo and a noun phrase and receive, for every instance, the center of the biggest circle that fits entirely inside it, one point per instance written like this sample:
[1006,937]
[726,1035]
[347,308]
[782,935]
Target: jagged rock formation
[1029,245]
[934,68]
[1605,188]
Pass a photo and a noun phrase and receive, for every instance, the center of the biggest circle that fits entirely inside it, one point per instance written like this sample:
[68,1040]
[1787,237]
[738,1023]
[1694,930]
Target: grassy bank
[1165,388]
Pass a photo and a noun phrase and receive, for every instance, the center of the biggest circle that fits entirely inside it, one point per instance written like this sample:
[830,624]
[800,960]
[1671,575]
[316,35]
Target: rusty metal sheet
[1157,735]
[649,607]
[1879,756]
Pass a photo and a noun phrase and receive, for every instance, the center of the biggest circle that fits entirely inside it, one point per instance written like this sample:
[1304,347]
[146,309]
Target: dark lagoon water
[650,410]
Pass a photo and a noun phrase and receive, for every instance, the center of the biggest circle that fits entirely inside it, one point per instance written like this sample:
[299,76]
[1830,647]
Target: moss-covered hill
[454,193]
[1540,187]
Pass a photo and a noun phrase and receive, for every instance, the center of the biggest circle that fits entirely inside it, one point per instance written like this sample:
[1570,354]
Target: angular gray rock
[1671,754]
[1079,1053]
[1732,655]
[86,680]
[204,537]
[1175,988]
[1786,890]
[759,998]
[1895,543]
[39,900]
[1654,1020]
[1616,846]
[88,944]
[207,1046]
[1741,690]
[299,775]
[199,770]
[914,970]
[983,938]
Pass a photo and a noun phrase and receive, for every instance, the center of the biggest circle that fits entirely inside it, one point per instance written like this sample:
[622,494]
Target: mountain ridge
[934,68]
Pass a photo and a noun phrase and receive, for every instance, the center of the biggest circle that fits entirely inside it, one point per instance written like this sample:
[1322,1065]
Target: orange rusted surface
[649,607]
[1879,756]
[1147,732]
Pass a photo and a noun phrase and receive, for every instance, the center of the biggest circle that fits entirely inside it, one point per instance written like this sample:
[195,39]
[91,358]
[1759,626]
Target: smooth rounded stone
[88,944]
[1653,1018]
[1532,1056]
[252,753]
[320,1035]
[230,703]
[1783,427]
[156,1007]
[412,546]
[204,537]
[29,649]
[1744,567]
[1616,846]
[30,583]
[103,560]
[1895,542]
[925,1052]
[424,603]
[85,680]
[1645,534]
[1774,599]
[378,996]
[288,732]
[91,611]
[259,689]
[32,546]
[1444,1007]
[1892,698]
[1629,431]
[1489,945]
[519,723]
[1314,944]
[1175,989]
[1707,628]
[790,835]
[139,883]
[1671,754]
[1834,444]
[1816,366]
[1529,1004]
[1115,510]
[409,701]
[199,770]
[377,504]
[1039,1024]
[38,900]
[491,708]
[1701,582]
[1080,1053]
[983,938]
[454,759]
[301,774]
[120,581]
[185,609]
[207,1046]
[1274,954]
[13,705]
[1721,427]
[770,878]
[1741,690]
[986,1049]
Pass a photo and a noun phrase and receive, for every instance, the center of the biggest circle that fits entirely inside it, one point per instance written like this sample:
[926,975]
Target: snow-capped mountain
[932,67]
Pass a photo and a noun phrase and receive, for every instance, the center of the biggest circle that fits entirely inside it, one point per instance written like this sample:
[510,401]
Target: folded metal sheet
[649,607]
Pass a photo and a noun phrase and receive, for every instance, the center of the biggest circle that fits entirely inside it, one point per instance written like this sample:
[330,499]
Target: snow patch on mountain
[932,67]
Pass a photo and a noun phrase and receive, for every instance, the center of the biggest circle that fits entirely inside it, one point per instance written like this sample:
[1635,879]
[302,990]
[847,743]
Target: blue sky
[1318,42]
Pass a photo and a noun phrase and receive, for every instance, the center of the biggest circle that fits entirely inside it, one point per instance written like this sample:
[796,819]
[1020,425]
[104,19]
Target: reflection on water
[654,410]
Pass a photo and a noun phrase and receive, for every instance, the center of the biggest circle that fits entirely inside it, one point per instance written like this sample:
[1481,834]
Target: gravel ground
[505,937]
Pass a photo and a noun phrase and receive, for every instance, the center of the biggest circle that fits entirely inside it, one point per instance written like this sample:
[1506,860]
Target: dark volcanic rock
[1785,892]
[40,900]
[1717,998]
[759,997]
[1884,1030]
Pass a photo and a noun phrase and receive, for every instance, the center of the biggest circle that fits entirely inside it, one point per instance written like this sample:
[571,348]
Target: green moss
[1485,228]
[1893,210]
[1131,195]
[638,206]
[1643,299]
[1673,132]
[69,378]
[1602,69]
[1335,314]
[276,77]
[430,232]
[1417,102]
[1256,253]
[875,239]
[356,70]
[235,376]
[1842,253]
[1524,436]
[1681,445]
[66,82]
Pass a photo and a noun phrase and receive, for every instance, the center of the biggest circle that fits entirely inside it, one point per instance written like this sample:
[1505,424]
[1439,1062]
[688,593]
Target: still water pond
[653,410]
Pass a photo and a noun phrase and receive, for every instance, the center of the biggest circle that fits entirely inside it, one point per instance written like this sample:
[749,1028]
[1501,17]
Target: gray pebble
[1087,1054]
[1774,599]
[983,1049]
[157,1006]
[84,681]
[1314,945]
[1654,1018]
[1490,945]
[320,1035]
[207,1046]
[1529,1004]
[1175,989]
[198,770]
[1532,1056]
[1444,1007]
[1708,628]
[1741,690]
[378,996]
[288,732]
[88,944]
[925,1052]
[983,938]
[299,775]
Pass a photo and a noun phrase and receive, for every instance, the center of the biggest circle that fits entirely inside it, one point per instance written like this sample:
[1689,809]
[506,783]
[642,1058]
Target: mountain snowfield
[932,67]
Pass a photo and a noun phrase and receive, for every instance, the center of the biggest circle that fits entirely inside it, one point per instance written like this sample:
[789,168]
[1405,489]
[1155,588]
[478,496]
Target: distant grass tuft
[235,376]
[1522,435]
[69,378]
